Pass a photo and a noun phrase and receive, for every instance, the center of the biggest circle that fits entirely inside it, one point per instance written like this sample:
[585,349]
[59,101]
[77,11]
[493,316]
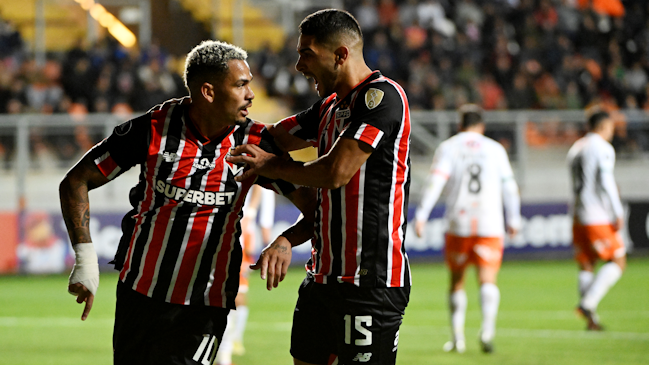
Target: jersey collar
[371,77]
[199,136]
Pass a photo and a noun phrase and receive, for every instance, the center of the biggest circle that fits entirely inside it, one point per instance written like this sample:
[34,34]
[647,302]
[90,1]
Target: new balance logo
[362,357]
[203,164]
[169,156]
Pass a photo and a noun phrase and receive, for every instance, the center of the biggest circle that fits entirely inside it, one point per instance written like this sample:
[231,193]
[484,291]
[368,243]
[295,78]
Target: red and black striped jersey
[360,227]
[183,239]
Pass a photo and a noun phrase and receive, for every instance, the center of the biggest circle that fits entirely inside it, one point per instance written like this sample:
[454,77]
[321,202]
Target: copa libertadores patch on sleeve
[373,98]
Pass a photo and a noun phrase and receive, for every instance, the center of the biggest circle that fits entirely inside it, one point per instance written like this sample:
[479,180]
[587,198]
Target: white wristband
[86,267]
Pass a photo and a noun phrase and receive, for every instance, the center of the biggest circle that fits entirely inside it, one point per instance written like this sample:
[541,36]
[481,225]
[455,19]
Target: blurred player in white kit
[597,214]
[479,179]
[260,202]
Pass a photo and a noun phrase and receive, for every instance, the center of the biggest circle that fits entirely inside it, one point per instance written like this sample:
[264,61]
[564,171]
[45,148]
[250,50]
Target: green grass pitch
[39,321]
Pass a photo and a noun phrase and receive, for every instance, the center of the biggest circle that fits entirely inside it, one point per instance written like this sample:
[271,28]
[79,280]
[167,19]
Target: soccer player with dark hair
[597,214]
[352,301]
[479,181]
[179,256]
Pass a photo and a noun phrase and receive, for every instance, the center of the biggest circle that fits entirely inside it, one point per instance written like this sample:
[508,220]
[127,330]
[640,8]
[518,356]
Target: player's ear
[207,91]
[341,53]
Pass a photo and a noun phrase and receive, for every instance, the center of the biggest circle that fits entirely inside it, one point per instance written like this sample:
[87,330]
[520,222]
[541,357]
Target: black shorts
[358,325]
[148,331]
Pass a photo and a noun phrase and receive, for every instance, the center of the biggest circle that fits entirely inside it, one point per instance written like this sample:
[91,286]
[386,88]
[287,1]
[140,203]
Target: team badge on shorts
[373,98]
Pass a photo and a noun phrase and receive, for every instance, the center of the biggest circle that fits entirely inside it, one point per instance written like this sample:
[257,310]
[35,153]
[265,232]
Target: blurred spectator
[11,42]
[635,80]
[431,14]
[367,15]
[491,94]
[568,18]
[522,95]
[408,13]
[388,12]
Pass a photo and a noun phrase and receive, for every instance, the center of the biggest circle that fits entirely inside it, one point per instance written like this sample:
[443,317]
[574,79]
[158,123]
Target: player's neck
[208,126]
[604,134]
[475,129]
[355,74]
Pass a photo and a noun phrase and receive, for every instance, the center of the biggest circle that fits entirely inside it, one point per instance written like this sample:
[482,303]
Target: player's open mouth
[244,110]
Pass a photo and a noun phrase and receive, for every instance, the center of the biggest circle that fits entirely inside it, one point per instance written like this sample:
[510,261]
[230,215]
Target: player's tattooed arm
[73,193]
[305,199]
[275,258]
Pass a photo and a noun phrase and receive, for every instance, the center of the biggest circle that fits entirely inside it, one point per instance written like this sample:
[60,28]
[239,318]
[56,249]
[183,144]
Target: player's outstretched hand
[419,228]
[83,295]
[84,278]
[512,232]
[259,161]
[273,262]
[618,224]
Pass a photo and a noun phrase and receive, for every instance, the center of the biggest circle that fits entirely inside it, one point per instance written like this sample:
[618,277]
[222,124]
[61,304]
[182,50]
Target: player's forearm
[75,207]
[300,232]
[305,199]
[320,173]
[73,193]
[286,141]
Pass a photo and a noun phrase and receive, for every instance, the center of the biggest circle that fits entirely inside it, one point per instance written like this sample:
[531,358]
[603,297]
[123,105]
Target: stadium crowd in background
[506,54]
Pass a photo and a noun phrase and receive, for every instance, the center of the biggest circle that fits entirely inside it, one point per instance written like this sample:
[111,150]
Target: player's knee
[621,262]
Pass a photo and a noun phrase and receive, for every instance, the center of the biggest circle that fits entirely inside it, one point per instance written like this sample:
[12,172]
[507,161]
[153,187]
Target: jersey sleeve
[439,174]
[379,110]
[511,195]
[606,167]
[304,125]
[442,160]
[126,147]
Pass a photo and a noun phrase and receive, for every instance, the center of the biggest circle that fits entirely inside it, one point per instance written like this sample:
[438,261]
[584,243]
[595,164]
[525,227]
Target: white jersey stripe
[359,221]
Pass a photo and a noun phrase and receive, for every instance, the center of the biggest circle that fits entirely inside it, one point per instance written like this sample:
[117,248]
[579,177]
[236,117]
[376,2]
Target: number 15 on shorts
[361,325]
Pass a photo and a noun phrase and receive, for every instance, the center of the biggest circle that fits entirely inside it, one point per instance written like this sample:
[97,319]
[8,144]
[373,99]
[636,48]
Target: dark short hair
[595,116]
[209,61]
[329,24]
[470,115]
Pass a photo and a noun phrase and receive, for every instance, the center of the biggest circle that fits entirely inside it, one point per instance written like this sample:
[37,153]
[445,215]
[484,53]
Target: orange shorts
[480,251]
[596,242]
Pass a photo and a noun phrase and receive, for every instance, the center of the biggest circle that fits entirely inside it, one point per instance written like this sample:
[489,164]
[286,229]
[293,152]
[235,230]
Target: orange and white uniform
[479,179]
[247,243]
[595,202]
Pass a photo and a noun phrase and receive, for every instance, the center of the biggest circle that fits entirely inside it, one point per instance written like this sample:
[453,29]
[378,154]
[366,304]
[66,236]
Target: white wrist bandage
[86,267]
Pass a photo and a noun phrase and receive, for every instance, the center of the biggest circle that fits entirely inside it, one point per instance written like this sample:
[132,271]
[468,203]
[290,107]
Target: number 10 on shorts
[359,321]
